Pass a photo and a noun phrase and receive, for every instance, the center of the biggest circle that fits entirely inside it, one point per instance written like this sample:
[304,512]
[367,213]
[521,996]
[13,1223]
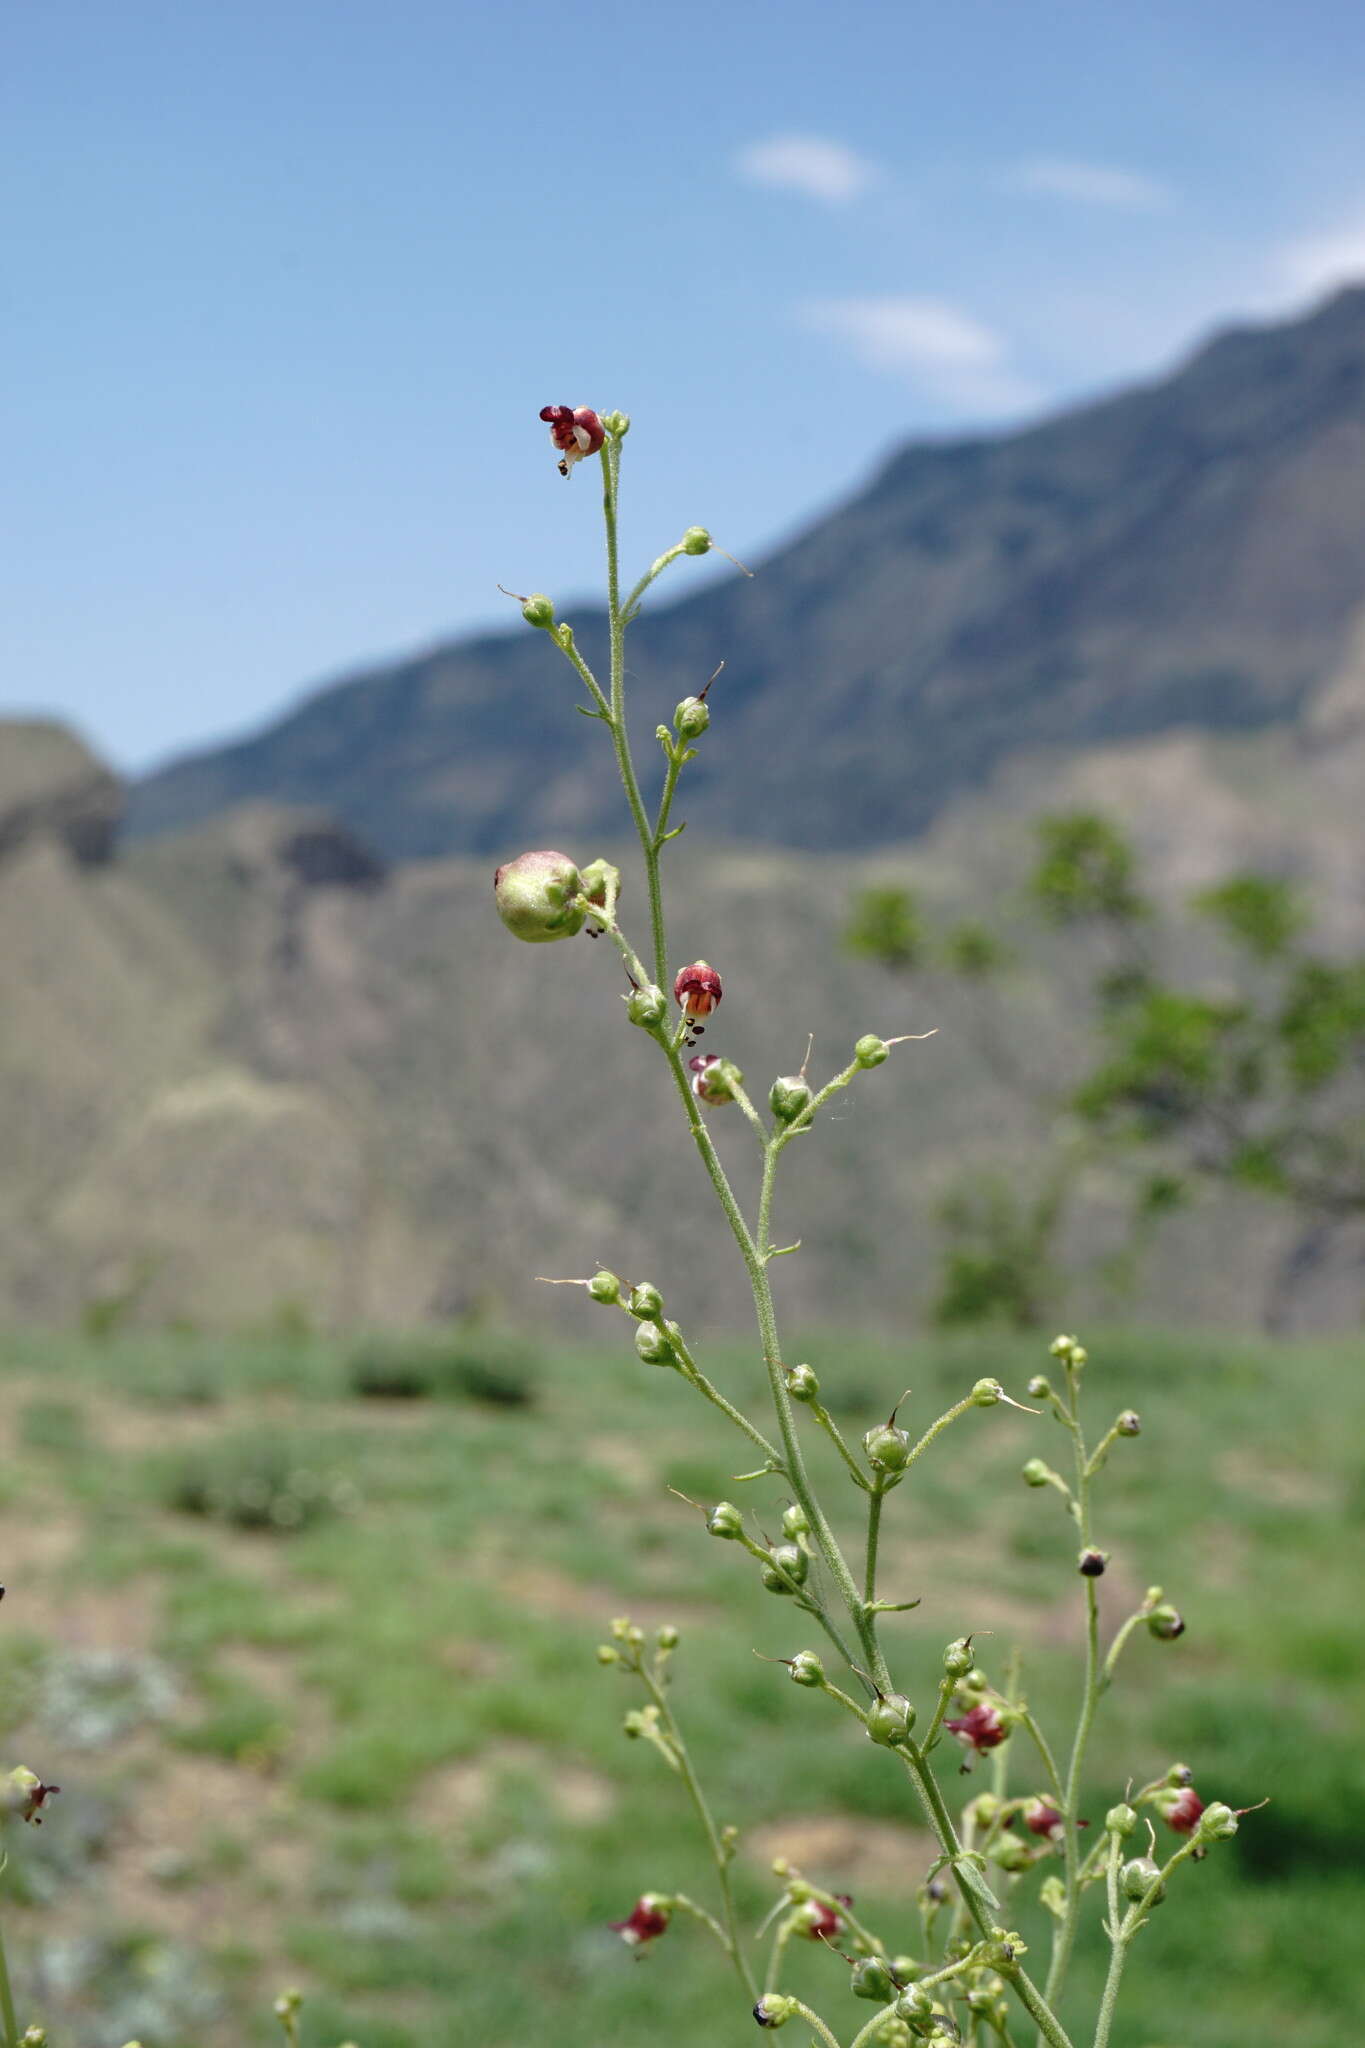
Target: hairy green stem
[1064,1937]
[611,460]
[11,2025]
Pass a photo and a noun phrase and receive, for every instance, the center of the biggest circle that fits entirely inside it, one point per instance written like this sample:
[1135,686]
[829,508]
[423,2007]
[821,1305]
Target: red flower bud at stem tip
[647,1922]
[575,430]
[979,1730]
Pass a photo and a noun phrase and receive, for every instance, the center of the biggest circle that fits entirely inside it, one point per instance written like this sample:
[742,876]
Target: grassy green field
[315,1669]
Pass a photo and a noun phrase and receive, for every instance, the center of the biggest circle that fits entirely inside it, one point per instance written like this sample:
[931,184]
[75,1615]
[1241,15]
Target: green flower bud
[1004,1949]
[594,881]
[774,2009]
[696,541]
[714,1080]
[1138,1877]
[691,718]
[653,1345]
[794,1521]
[668,1637]
[913,2004]
[957,1658]
[1040,1386]
[1120,1820]
[605,1287]
[538,611]
[870,1050]
[36,2037]
[887,1447]
[1036,1473]
[788,1569]
[1129,1423]
[1010,1853]
[537,897]
[905,1969]
[870,1978]
[607,1653]
[1166,1622]
[890,1719]
[986,1393]
[725,1521]
[646,1302]
[802,1383]
[1216,1823]
[1052,1894]
[617,424]
[789,1097]
[805,1668]
[647,1007]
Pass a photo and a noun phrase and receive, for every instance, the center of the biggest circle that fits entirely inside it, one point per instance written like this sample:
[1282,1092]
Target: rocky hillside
[1189,554]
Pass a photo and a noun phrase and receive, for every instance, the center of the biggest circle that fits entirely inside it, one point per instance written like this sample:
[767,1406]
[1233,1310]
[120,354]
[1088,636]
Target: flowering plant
[961,1977]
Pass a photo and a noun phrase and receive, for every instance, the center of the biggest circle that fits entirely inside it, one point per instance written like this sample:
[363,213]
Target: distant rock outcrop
[52,786]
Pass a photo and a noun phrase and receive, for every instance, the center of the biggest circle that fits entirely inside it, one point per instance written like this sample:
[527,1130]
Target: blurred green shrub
[257,1481]
[463,1364]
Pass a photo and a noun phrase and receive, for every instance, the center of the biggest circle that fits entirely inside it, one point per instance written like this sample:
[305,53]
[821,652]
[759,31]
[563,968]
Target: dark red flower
[709,1079]
[980,1729]
[575,430]
[647,1922]
[820,1922]
[696,989]
[1180,1807]
[1042,1818]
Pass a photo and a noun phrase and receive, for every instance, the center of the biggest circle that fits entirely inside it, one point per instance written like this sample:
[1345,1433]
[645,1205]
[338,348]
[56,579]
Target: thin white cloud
[944,352]
[1315,263]
[1090,184]
[809,164]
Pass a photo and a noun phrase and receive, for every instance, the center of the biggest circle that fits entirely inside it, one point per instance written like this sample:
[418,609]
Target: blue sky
[291,283]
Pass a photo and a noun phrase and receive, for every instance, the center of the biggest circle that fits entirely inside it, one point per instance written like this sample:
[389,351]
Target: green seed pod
[890,1720]
[870,1050]
[646,1302]
[789,1097]
[870,1978]
[1138,1877]
[1129,1423]
[696,541]
[957,1658]
[805,1668]
[1120,1820]
[537,897]
[802,1383]
[538,611]
[794,1522]
[887,1447]
[986,1393]
[605,1287]
[1216,1822]
[725,1521]
[691,718]
[914,2004]
[1166,1623]
[905,1969]
[789,1568]
[1040,1386]
[1010,1853]
[1036,1473]
[653,1346]
[647,1007]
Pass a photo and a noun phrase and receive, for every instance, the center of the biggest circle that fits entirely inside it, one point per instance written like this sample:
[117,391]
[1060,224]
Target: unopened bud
[605,1287]
[957,1658]
[870,1978]
[1129,1423]
[802,1383]
[1090,1563]
[646,1302]
[696,541]
[1166,1623]
[538,611]
[890,1719]
[789,1097]
[668,1637]
[607,1653]
[653,1344]
[647,1007]
[691,718]
[870,1050]
[714,1080]
[788,1569]
[1040,1386]
[1216,1822]
[805,1668]
[914,2004]
[1138,1877]
[986,1394]
[1010,1853]
[537,897]
[1120,1820]
[725,1521]
[795,1521]
[596,878]
[887,1447]
[774,2009]
[33,2037]
[1036,1473]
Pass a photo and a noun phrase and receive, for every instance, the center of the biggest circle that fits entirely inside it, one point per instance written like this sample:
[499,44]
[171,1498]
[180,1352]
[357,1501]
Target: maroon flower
[647,1922]
[697,990]
[1180,1807]
[820,1922]
[1042,1818]
[980,1729]
[575,430]
[709,1080]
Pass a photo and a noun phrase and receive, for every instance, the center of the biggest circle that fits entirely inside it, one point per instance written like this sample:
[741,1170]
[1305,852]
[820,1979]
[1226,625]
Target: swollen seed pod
[914,2004]
[794,1520]
[986,1394]
[538,611]
[788,1569]
[870,1978]
[1137,1878]
[725,1521]
[691,718]
[537,897]
[1120,1820]
[605,1287]
[802,1383]
[1036,1473]
[806,1669]
[957,1658]
[696,541]
[789,1097]
[653,1345]
[1166,1623]
[887,1447]
[646,1303]
[870,1050]
[890,1719]
[647,1007]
